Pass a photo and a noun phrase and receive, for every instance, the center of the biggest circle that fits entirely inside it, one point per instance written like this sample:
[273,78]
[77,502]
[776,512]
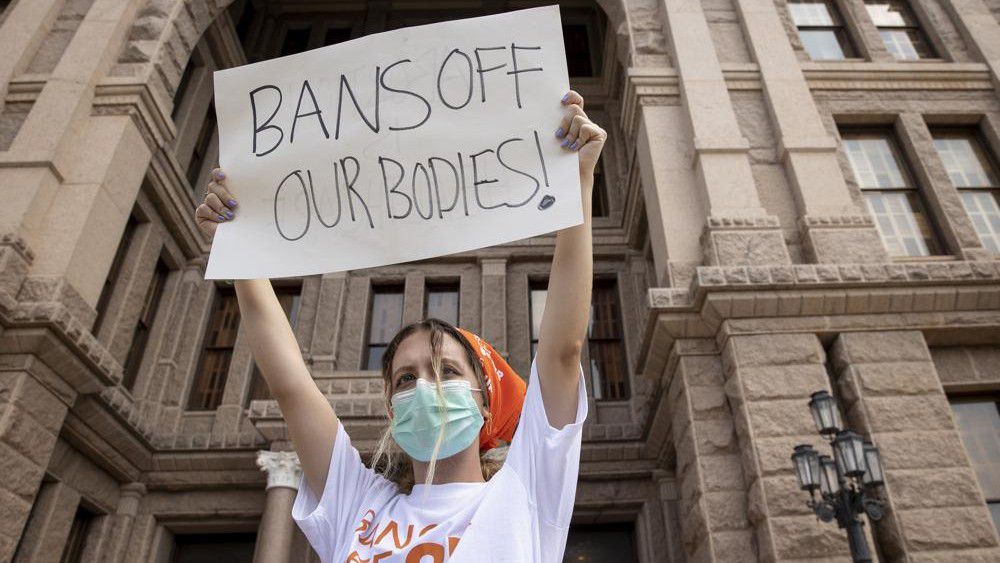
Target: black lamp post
[846,481]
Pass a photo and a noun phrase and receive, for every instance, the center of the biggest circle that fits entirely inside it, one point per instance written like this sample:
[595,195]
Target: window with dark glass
[140,335]
[385,318]
[974,174]
[201,146]
[608,368]
[185,83]
[900,29]
[114,272]
[335,34]
[442,302]
[296,40]
[213,548]
[217,352]
[599,197]
[978,421]
[289,297]
[821,29]
[73,548]
[538,291]
[601,542]
[892,198]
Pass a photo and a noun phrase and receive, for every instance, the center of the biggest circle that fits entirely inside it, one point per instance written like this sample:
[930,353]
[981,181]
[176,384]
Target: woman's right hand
[218,206]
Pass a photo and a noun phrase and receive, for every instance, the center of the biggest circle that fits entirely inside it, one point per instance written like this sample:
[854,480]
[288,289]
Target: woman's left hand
[579,133]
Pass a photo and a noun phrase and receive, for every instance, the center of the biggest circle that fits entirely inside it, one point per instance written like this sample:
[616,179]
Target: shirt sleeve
[545,458]
[330,520]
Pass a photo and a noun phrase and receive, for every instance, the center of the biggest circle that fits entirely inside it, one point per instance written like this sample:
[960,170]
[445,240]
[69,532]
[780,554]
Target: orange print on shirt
[372,538]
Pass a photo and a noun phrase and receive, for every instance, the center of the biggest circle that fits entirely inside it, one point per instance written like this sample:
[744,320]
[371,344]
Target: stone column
[327,324]
[494,305]
[892,393]
[46,533]
[738,230]
[769,378]
[979,29]
[24,29]
[119,530]
[833,229]
[30,418]
[274,537]
[61,143]
[712,507]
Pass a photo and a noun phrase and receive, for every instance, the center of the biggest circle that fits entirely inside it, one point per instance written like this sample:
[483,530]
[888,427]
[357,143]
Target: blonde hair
[388,458]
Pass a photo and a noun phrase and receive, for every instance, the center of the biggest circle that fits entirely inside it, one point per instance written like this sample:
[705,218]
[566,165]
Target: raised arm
[567,305]
[311,421]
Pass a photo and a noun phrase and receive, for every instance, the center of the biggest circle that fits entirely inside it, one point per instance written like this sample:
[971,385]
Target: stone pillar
[61,143]
[675,214]
[46,533]
[24,29]
[978,26]
[30,418]
[669,497]
[274,537]
[494,305]
[833,229]
[413,298]
[892,394]
[115,543]
[712,507]
[739,230]
[328,322]
[769,378]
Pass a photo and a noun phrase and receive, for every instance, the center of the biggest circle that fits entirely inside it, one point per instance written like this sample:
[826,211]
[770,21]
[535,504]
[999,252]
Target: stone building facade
[795,196]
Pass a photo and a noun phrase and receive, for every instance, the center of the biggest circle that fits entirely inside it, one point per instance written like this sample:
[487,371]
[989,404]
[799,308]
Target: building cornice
[817,292]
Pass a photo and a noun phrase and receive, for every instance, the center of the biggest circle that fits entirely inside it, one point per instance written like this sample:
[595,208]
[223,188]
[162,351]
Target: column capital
[282,468]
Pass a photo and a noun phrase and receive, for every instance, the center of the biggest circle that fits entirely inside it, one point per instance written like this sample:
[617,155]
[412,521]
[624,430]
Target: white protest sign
[395,147]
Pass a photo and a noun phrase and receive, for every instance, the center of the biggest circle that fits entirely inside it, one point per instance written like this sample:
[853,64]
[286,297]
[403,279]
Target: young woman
[450,399]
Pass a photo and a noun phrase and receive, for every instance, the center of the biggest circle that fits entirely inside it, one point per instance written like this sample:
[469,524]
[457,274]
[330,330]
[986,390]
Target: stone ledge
[19,245]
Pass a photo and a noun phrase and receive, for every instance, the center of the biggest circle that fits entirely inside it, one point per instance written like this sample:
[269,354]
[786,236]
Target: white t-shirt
[520,515]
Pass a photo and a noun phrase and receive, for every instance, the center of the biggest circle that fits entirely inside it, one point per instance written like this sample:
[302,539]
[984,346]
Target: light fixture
[874,475]
[850,450]
[806,467]
[847,480]
[829,481]
[824,412]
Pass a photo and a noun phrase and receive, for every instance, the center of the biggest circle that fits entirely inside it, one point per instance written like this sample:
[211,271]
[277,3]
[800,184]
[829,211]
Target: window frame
[973,397]
[609,284]
[541,284]
[144,324]
[911,24]
[447,286]
[986,158]
[839,29]
[114,271]
[911,188]
[212,397]
[377,288]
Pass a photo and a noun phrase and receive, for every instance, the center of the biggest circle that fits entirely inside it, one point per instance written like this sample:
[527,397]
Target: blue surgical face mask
[418,416]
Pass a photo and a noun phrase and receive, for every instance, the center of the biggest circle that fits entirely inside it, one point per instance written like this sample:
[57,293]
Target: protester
[451,400]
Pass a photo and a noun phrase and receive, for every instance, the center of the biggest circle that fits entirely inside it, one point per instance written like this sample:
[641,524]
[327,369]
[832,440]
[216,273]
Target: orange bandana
[506,393]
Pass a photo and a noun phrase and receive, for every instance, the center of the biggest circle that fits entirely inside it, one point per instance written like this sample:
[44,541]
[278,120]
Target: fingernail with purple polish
[219,175]
[229,214]
[232,203]
[566,97]
[565,143]
[221,218]
[560,133]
